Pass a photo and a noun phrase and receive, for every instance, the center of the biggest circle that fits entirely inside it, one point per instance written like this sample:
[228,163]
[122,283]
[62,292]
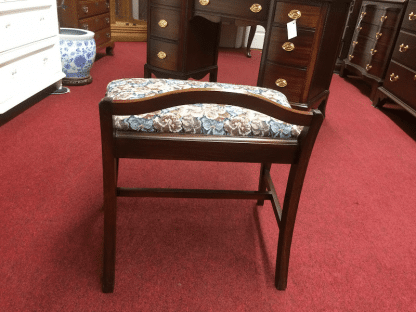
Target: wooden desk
[183,37]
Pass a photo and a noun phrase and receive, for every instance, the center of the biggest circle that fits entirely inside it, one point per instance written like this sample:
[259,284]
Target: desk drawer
[165,23]
[95,23]
[402,83]
[91,8]
[255,10]
[295,81]
[405,49]
[296,51]
[102,36]
[409,19]
[26,26]
[163,55]
[305,15]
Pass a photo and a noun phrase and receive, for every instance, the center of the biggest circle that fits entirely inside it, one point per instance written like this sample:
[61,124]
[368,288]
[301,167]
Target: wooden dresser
[30,60]
[183,39]
[373,41]
[93,15]
[400,82]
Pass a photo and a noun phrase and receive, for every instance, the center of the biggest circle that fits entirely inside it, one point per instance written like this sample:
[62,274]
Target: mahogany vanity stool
[205,121]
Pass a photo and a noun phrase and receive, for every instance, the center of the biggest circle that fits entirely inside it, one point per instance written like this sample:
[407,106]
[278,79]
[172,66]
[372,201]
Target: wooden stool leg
[262,182]
[290,208]
[110,168]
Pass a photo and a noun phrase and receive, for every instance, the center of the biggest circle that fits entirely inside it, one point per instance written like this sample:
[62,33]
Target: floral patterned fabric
[203,118]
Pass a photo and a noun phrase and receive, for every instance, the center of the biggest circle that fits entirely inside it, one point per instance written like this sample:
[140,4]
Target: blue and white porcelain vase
[78,52]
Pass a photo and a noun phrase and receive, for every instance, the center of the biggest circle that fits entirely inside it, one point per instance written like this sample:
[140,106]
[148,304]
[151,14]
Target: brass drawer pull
[161,55]
[281,83]
[378,35]
[368,67]
[350,57]
[85,26]
[288,46]
[362,14]
[354,43]
[256,8]
[163,23]
[85,9]
[359,28]
[204,2]
[403,48]
[372,51]
[412,16]
[294,14]
[393,78]
[383,18]
[414,78]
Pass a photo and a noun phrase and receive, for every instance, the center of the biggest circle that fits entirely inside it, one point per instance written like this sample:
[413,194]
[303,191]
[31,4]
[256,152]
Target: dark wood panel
[383,35]
[405,49]
[294,77]
[409,20]
[168,30]
[309,13]
[372,13]
[170,62]
[241,8]
[299,56]
[404,86]
[174,3]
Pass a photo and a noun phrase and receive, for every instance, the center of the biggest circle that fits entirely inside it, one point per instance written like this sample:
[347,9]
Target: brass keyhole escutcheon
[412,16]
[288,46]
[204,2]
[363,14]
[403,48]
[161,55]
[383,18]
[354,43]
[281,83]
[378,35]
[255,8]
[394,78]
[350,57]
[294,14]
[368,67]
[163,23]
[372,51]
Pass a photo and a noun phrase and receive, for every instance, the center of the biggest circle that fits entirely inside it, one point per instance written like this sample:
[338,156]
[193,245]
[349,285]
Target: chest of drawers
[399,84]
[373,41]
[30,60]
[93,15]
[183,39]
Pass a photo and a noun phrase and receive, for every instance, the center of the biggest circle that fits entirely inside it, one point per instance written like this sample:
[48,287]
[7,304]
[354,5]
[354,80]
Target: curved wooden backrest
[204,95]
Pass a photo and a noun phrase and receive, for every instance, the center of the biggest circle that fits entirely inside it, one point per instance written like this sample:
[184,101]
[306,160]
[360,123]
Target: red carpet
[354,245]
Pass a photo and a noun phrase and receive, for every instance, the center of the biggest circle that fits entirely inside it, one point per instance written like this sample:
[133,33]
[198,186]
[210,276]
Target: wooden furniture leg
[250,39]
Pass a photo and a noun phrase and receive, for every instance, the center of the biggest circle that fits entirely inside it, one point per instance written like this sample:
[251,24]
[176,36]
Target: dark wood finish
[307,69]
[399,84]
[372,44]
[93,15]
[129,144]
[250,39]
[192,56]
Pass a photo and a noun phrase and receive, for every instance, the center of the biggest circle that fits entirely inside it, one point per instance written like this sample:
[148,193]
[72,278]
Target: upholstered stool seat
[167,119]
[202,118]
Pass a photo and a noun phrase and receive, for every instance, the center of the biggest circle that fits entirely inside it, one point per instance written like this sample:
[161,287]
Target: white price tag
[291,30]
